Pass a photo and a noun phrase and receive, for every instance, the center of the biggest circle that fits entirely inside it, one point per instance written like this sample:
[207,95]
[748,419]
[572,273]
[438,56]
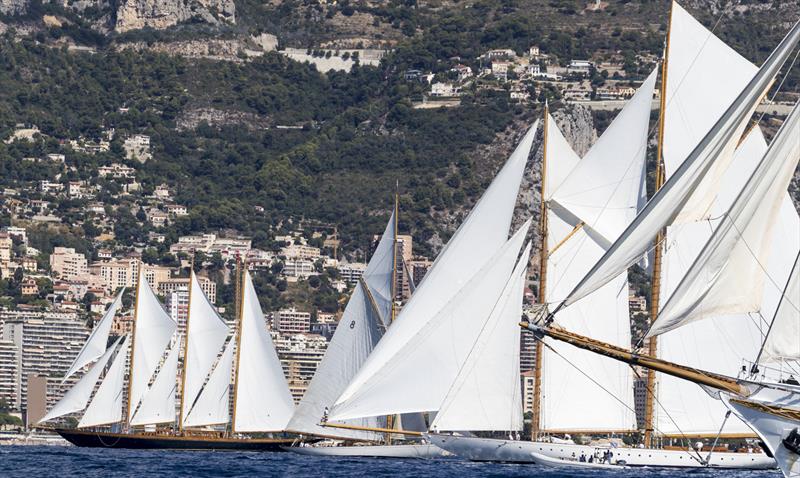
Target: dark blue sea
[72,462]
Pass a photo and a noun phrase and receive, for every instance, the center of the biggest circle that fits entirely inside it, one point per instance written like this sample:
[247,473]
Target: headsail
[361,326]
[740,243]
[78,396]
[263,400]
[95,345]
[152,333]
[486,393]
[682,196]
[783,341]
[106,406]
[481,234]
[205,335]
[439,349]
[158,404]
[211,407]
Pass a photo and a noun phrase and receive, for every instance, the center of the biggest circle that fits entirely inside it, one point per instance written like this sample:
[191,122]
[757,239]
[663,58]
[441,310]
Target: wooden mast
[133,343]
[655,292]
[238,337]
[390,419]
[543,253]
[186,346]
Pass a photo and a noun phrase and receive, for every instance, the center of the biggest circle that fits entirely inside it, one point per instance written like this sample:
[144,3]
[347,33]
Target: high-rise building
[291,321]
[49,342]
[300,355]
[527,391]
[640,397]
[10,363]
[527,351]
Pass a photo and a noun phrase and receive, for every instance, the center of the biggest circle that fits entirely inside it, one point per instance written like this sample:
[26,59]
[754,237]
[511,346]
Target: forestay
[95,345]
[740,244]
[361,327]
[782,342]
[481,234]
[106,406]
[263,400]
[158,404]
[486,394]
[78,396]
[682,196]
[152,333]
[211,407]
[206,332]
[418,377]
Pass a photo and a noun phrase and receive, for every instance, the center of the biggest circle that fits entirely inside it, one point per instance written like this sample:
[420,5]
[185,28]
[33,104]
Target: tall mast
[238,337]
[186,346]
[133,341]
[655,292]
[390,419]
[539,349]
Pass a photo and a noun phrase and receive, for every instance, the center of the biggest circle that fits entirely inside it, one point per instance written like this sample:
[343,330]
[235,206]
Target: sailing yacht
[368,314]
[738,270]
[206,362]
[701,76]
[468,283]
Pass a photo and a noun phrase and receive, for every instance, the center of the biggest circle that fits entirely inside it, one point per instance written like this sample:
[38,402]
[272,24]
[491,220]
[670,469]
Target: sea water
[72,462]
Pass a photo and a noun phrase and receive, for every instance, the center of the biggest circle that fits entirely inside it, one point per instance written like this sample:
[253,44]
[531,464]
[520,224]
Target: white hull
[488,449]
[422,451]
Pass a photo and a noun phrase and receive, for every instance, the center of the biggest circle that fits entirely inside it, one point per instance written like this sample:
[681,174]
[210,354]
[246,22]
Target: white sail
[78,396]
[563,158]
[577,238]
[95,345]
[482,233]
[205,335]
[718,344]
[418,377]
[704,76]
[783,341]
[486,394]
[682,195]
[360,328]
[740,244]
[106,406]
[263,400]
[614,167]
[153,330]
[158,404]
[211,407]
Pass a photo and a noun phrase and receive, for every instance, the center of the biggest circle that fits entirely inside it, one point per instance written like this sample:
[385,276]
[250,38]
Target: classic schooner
[153,360]
[743,267]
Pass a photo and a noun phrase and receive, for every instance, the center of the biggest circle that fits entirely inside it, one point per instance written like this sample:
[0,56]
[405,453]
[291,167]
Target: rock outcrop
[13,7]
[160,14]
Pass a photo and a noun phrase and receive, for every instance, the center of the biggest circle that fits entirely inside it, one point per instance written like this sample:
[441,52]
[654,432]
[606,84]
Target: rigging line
[684,438]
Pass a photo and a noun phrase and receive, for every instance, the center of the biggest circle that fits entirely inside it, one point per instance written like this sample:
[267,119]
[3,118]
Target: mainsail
[581,225]
[685,196]
[158,404]
[153,330]
[262,398]
[439,349]
[95,345]
[482,233]
[205,334]
[106,406]
[365,318]
[486,394]
[78,396]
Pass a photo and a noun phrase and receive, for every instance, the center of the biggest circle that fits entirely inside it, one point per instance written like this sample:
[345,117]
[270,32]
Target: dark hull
[90,439]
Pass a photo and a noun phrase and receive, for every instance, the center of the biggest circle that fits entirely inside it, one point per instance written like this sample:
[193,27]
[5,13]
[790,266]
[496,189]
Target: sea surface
[72,462]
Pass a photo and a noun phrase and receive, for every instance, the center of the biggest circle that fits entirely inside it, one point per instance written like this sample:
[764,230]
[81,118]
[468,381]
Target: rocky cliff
[160,14]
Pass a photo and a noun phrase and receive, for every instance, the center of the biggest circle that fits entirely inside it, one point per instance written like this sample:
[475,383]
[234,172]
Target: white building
[444,89]
[68,264]
[137,147]
[291,321]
